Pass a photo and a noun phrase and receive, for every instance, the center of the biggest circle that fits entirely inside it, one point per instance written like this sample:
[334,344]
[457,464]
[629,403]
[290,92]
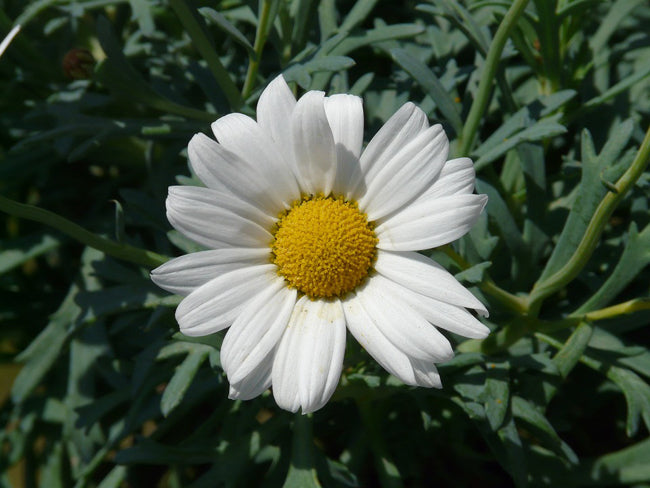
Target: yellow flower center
[324,246]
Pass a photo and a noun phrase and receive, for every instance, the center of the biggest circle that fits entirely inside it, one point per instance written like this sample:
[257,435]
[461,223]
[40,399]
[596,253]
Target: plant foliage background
[551,98]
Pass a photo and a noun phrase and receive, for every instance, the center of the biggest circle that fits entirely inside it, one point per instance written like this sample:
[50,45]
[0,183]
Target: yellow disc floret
[324,246]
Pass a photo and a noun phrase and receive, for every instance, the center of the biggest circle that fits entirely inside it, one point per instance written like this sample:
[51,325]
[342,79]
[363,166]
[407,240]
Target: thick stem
[112,248]
[263,27]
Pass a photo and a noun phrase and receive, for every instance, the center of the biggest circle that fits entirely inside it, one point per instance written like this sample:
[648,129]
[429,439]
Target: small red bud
[78,64]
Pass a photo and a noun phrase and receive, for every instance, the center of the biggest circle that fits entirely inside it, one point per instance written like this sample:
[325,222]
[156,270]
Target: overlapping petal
[224,170]
[212,220]
[402,325]
[366,332]
[257,331]
[399,130]
[274,109]
[216,304]
[314,149]
[345,117]
[407,174]
[184,274]
[256,383]
[241,135]
[426,277]
[430,223]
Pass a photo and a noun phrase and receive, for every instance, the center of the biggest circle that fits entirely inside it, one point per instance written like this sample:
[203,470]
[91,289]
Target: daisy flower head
[310,237]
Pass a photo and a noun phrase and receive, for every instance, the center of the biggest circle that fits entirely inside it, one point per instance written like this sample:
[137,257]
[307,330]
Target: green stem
[389,476]
[263,27]
[513,302]
[590,240]
[206,49]
[631,306]
[487,77]
[112,248]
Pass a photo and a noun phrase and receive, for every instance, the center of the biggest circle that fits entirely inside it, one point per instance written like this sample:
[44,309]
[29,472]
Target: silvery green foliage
[102,389]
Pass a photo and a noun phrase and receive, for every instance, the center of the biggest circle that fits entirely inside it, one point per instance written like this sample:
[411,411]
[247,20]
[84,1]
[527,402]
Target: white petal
[403,126]
[257,330]
[256,383]
[430,223]
[285,375]
[401,324]
[184,274]
[274,109]
[215,305]
[422,275]
[444,315]
[407,174]
[242,136]
[426,374]
[309,358]
[313,142]
[223,170]
[457,176]
[345,117]
[366,332]
[321,346]
[206,217]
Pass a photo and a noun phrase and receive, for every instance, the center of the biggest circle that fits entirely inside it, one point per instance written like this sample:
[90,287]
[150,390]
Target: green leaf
[115,478]
[624,467]
[635,390]
[43,352]
[15,252]
[431,85]
[357,14]
[464,21]
[475,273]
[511,453]
[637,396]
[541,131]
[590,192]
[142,13]
[498,210]
[610,22]
[302,72]
[182,379]
[52,474]
[634,357]
[573,349]
[496,395]
[635,257]
[528,413]
[220,21]
[117,74]
[505,443]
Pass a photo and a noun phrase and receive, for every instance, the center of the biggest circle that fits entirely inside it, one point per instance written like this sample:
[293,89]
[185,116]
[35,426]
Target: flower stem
[263,27]
[590,240]
[206,49]
[112,248]
[631,306]
[389,476]
[513,302]
[487,77]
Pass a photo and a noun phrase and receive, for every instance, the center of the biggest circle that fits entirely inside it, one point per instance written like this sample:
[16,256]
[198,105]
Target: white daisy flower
[310,236]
